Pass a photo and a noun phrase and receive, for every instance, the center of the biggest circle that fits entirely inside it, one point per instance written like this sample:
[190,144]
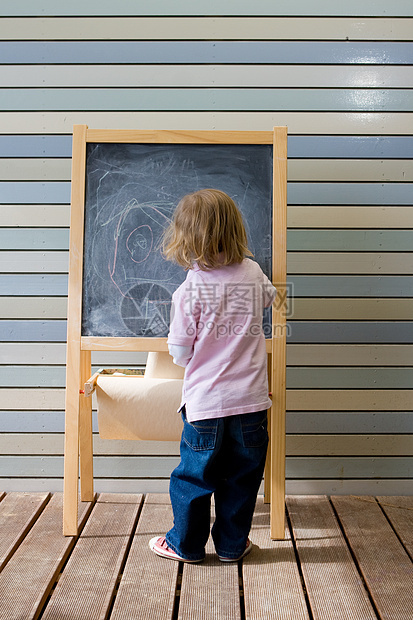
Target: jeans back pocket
[200,435]
[254,429]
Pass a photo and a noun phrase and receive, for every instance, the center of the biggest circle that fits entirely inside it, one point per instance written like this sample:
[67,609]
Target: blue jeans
[224,457]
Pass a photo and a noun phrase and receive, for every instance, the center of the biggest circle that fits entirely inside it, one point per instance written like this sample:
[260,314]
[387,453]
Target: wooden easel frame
[78,421]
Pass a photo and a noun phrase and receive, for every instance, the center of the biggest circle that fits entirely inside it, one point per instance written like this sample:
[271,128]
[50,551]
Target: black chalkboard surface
[131,193]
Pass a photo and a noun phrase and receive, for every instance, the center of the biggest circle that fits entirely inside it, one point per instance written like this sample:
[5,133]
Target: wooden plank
[365,123]
[207,52]
[291,76]
[382,560]
[51,443]
[270,593]
[352,170]
[349,355]
[387,170]
[28,577]
[297,354]
[34,216]
[55,353]
[87,584]
[376,8]
[399,509]
[228,28]
[332,582]
[18,512]
[297,262]
[33,308]
[210,590]
[201,99]
[351,308]
[148,584]
[349,217]
[297,400]
[348,400]
[340,263]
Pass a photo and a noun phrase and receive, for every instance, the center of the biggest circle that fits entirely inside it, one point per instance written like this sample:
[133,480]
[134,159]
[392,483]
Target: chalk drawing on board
[131,193]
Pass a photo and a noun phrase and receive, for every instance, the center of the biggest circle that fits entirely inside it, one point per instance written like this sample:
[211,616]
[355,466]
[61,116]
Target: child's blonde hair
[206,229]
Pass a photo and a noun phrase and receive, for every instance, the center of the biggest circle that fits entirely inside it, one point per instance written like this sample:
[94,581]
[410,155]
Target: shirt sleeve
[269,292]
[184,313]
[181,355]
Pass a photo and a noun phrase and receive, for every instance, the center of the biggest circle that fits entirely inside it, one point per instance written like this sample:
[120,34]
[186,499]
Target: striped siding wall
[340,75]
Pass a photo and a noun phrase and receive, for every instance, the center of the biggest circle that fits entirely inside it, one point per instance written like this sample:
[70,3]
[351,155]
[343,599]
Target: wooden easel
[78,425]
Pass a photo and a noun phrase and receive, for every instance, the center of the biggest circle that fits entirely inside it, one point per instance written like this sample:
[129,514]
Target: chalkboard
[130,196]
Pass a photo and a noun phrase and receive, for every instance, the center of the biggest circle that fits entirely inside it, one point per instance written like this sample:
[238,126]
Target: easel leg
[86,433]
[277,451]
[71,468]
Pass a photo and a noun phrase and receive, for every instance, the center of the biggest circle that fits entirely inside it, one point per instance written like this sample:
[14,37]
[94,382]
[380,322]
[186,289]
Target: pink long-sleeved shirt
[218,314]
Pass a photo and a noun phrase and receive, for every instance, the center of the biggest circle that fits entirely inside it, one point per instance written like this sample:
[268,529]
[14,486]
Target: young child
[216,333]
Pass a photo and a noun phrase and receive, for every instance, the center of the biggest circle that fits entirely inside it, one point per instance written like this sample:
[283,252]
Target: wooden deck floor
[342,558]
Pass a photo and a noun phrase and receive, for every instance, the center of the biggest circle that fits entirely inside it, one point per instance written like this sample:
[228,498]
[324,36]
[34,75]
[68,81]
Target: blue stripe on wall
[210,52]
[204,99]
[55,192]
[299,332]
[312,147]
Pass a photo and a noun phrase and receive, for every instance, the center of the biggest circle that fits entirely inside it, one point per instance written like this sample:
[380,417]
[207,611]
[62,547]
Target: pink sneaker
[247,550]
[159,546]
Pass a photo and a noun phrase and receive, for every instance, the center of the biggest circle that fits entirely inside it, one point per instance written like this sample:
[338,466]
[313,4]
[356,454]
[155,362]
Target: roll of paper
[159,365]
[136,407]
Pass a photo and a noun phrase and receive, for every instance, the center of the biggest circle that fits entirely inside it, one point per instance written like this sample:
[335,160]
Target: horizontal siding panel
[349,240]
[297,445]
[34,216]
[55,353]
[303,286]
[350,193]
[327,424]
[297,400]
[310,147]
[298,377]
[32,262]
[374,8]
[32,399]
[201,99]
[347,286]
[347,400]
[297,355]
[400,170]
[380,240]
[349,217]
[155,467]
[154,485]
[350,170]
[184,76]
[349,309]
[301,308]
[34,238]
[299,146]
[338,422]
[210,52]
[384,332]
[350,332]
[297,262]
[55,192]
[347,263]
[217,28]
[33,308]
[366,123]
